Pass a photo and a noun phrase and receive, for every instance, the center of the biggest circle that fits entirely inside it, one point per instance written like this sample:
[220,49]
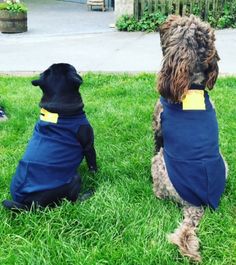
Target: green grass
[123,223]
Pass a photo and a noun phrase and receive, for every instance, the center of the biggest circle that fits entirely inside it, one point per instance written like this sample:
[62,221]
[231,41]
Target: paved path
[67,32]
[57,17]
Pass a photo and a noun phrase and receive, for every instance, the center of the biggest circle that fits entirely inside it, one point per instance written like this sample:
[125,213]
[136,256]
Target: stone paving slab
[106,52]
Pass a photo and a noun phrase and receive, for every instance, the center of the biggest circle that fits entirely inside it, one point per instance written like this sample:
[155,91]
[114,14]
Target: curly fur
[185,235]
[189,57]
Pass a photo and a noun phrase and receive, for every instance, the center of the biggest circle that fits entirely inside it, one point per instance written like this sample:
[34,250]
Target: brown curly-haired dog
[187,166]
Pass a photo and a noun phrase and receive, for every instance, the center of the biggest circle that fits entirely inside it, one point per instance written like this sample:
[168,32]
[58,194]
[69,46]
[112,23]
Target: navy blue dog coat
[191,152]
[62,137]
[51,158]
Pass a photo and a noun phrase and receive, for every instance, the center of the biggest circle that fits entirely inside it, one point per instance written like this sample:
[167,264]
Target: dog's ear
[76,79]
[40,81]
[213,71]
[174,77]
[178,51]
[37,82]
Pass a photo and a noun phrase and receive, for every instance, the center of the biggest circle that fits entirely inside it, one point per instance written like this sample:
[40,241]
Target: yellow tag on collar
[194,100]
[48,116]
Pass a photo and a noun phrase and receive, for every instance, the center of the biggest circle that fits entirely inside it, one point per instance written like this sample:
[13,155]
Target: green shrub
[228,17]
[13,6]
[223,18]
[225,21]
[148,22]
[151,22]
[127,23]
[3,6]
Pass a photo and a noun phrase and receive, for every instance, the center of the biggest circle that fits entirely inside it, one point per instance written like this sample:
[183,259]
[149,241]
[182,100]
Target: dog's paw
[14,206]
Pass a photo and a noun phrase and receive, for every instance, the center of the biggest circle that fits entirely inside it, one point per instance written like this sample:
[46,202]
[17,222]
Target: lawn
[123,223]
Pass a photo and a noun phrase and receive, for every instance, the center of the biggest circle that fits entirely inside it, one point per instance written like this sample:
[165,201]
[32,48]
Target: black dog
[62,137]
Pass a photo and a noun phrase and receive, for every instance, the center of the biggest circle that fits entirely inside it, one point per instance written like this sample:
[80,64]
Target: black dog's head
[60,85]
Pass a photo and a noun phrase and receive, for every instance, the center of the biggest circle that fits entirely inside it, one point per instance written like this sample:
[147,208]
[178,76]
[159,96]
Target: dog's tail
[185,235]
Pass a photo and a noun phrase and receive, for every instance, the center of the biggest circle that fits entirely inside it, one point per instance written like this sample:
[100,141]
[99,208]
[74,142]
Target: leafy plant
[127,23]
[227,19]
[148,22]
[151,22]
[212,20]
[13,6]
[224,17]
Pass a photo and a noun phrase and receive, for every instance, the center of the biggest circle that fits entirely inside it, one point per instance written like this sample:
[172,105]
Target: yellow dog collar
[194,100]
[48,116]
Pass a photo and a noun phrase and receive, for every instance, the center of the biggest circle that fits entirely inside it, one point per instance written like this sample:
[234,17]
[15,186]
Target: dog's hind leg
[53,197]
[159,173]
[162,186]
[156,124]
[185,235]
